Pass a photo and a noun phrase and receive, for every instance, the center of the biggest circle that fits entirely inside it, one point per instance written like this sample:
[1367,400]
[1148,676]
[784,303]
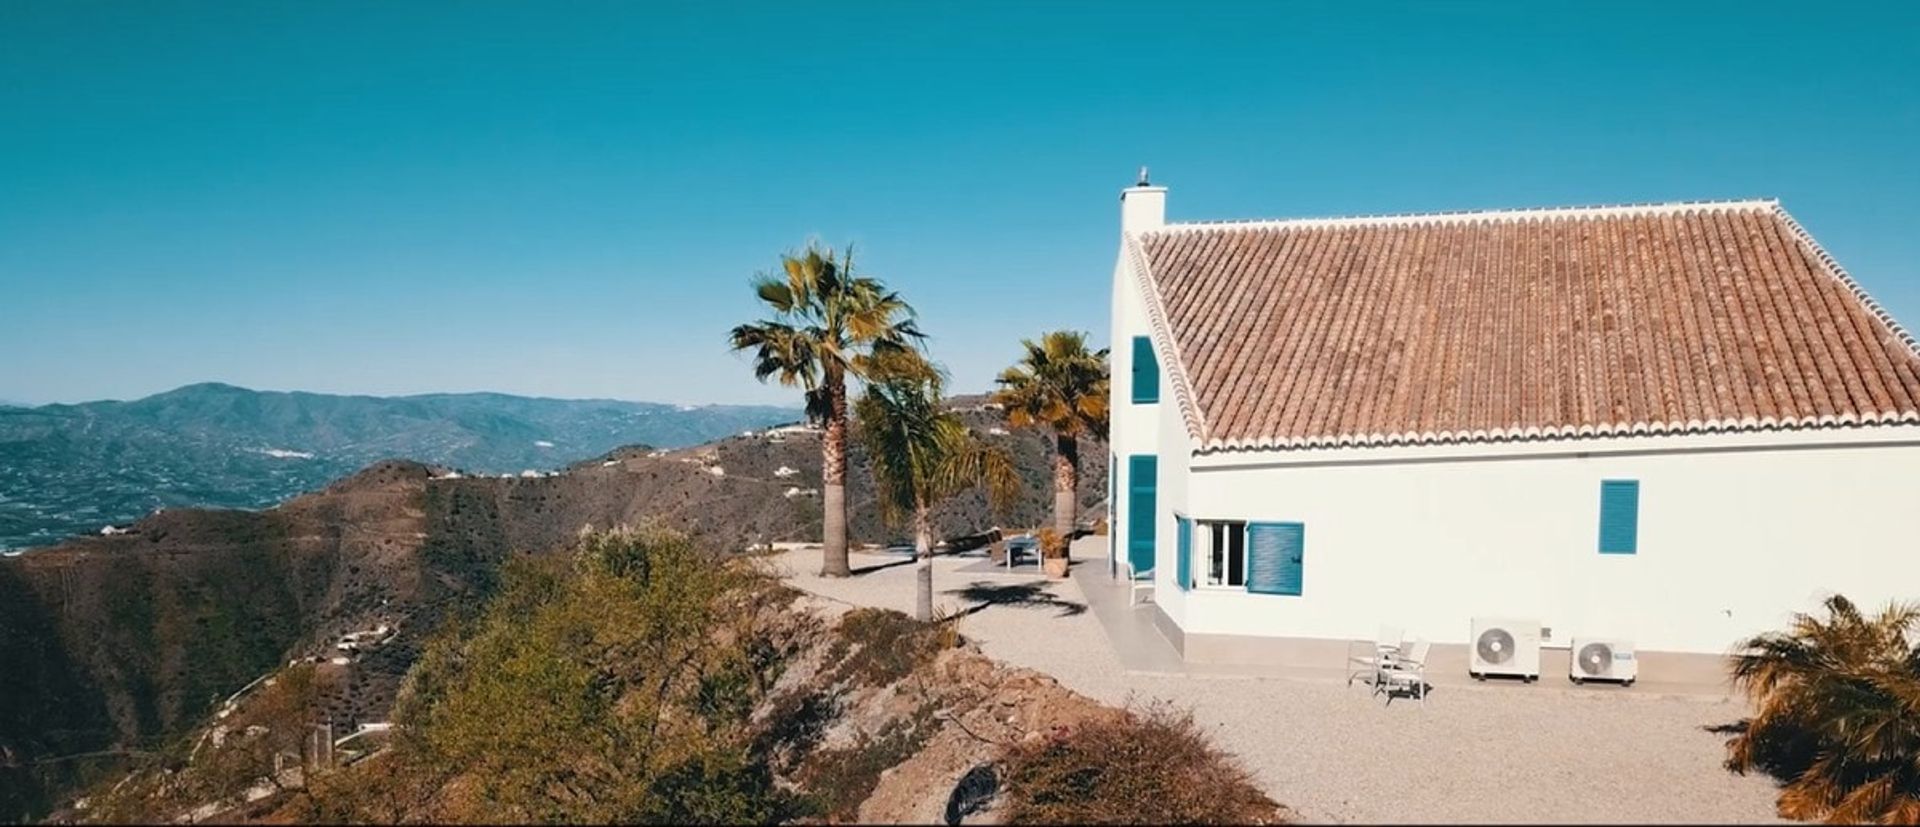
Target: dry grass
[877,647]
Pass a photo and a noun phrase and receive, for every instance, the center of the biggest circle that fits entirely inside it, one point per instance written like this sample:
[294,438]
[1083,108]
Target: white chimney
[1143,206]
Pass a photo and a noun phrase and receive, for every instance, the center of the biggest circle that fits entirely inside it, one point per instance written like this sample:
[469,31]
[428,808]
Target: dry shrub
[877,647]
[1149,768]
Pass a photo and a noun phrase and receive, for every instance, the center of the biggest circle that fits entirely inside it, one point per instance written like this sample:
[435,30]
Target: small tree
[1061,386]
[1837,714]
[828,325]
[923,453]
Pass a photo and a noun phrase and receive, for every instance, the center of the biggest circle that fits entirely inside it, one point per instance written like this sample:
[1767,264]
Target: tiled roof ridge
[1467,216]
[1176,367]
[1834,269]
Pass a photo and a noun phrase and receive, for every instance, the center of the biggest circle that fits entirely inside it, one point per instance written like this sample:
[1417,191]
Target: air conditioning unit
[1603,660]
[1503,646]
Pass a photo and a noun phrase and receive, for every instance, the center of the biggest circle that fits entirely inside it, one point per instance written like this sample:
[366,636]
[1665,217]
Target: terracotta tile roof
[1515,325]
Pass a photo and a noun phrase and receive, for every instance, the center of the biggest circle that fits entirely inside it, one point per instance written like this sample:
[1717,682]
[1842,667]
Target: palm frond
[1058,383]
[827,323]
[1836,701]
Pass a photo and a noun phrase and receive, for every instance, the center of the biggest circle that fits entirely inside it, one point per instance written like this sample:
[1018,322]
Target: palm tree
[828,325]
[922,453]
[1061,386]
[1837,714]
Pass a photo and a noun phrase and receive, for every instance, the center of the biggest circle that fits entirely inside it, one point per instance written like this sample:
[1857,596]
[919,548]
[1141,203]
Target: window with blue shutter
[1184,568]
[1619,516]
[1146,371]
[1275,557]
[1143,480]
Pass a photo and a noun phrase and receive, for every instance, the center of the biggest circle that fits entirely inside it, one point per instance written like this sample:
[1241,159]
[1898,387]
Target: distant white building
[1674,424]
[716,470]
[784,472]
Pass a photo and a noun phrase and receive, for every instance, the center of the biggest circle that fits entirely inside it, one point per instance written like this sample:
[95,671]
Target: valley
[68,470]
[126,642]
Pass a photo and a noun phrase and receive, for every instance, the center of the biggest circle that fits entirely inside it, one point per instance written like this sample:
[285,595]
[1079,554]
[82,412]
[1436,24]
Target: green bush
[612,686]
[1154,768]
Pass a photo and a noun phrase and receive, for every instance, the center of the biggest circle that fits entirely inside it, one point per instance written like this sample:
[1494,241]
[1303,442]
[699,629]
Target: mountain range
[118,646]
[72,469]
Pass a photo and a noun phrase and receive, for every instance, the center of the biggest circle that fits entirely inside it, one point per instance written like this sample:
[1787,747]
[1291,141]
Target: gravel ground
[1333,753]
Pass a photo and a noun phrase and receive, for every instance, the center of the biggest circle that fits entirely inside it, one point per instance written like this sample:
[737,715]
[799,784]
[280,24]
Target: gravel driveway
[1334,753]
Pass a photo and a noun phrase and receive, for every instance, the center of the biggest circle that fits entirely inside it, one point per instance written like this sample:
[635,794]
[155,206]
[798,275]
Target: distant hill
[70,469]
[124,642]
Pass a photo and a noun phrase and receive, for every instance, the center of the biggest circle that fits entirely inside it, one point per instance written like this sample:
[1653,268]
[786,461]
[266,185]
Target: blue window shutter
[1275,557]
[1184,571]
[1619,516]
[1143,481]
[1146,371]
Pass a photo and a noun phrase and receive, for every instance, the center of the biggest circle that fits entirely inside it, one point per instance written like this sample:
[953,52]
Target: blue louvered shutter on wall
[1146,371]
[1619,516]
[1276,553]
[1143,480]
[1184,568]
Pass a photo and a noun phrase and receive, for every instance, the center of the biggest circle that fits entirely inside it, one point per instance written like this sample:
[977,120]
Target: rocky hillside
[123,643]
[683,691]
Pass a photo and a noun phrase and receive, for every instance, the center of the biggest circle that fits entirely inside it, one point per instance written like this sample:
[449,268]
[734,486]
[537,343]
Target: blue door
[1143,482]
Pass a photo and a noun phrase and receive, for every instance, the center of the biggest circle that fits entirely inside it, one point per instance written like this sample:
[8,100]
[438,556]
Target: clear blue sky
[568,199]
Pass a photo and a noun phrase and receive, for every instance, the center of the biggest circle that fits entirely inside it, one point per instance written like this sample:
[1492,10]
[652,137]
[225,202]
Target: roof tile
[1643,319]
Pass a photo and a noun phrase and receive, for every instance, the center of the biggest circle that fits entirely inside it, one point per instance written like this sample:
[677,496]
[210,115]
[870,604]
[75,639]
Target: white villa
[1673,424]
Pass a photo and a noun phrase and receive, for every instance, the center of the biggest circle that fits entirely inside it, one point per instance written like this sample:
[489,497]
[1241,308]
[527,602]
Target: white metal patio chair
[1368,662]
[1022,544]
[1138,580]
[1407,670]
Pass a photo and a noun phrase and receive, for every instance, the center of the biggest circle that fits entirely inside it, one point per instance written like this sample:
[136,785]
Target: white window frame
[1205,534]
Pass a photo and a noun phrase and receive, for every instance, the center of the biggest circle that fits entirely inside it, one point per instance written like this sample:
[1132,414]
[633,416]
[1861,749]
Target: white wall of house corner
[1735,534]
[1131,427]
[1175,448]
[1145,428]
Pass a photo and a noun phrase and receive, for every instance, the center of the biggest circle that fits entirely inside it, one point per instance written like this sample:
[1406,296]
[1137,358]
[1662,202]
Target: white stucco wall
[1176,458]
[1132,428]
[1735,533]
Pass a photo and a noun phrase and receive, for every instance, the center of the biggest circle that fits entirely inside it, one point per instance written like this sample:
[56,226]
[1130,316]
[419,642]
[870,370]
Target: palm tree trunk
[1066,482]
[833,480]
[923,548]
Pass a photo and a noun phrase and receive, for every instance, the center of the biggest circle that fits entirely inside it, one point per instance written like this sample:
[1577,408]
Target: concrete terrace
[1503,752]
